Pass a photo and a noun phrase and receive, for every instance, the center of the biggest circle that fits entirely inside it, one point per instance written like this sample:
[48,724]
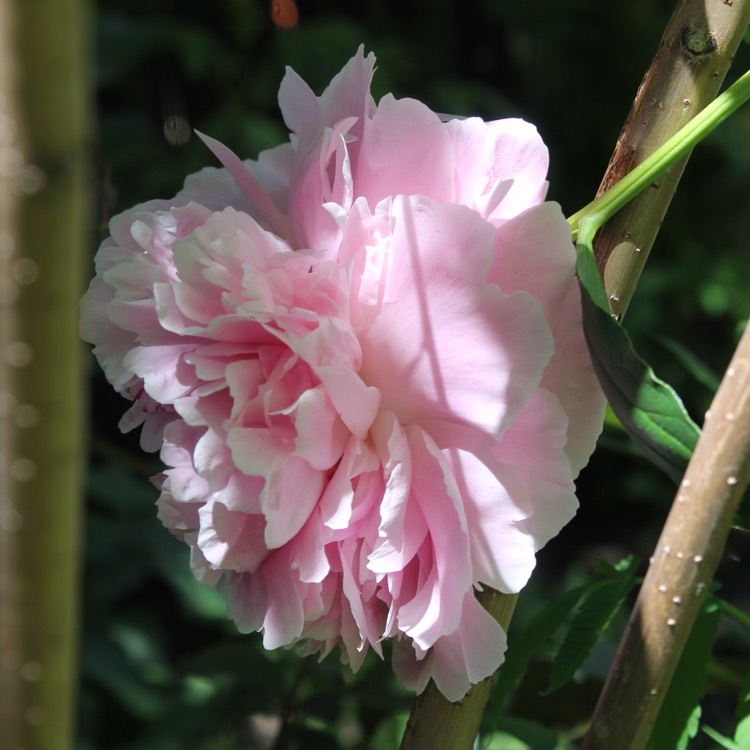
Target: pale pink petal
[321,435]
[518,155]
[535,447]
[292,488]
[570,376]
[435,609]
[231,540]
[495,504]
[405,150]
[471,654]
[534,253]
[463,351]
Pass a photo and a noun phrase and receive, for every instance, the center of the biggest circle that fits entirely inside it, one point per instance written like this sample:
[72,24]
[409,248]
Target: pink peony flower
[361,356]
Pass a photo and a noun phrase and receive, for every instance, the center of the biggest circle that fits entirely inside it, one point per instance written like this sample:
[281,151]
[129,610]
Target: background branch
[42,236]
[692,60]
[685,560]
[694,55]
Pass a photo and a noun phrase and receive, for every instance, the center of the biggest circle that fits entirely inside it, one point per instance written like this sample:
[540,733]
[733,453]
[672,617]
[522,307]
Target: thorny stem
[685,560]
[587,222]
[696,529]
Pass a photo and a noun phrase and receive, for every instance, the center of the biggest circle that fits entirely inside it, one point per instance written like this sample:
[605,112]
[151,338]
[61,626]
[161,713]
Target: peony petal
[291,490]
[519,155]
[321,435]
[571,377]
[463,351]
[534,253]
[435,609]
[471,654]
[249,185]
[535,447]
[502,552]
[405,150]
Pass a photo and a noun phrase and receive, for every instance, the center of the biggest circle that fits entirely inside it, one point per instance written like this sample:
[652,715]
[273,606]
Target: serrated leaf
[591,619]
[521,648]
[649,409]
[673,724]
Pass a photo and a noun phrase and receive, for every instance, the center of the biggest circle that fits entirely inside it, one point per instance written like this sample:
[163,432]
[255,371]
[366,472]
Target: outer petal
[570,376]
[446,345]
[457,661]
[502,550]
[405,150]
[534,447]
[435,609]
[519,154]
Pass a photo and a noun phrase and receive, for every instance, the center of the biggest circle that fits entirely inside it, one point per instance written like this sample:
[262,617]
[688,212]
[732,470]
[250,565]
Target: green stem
[586,222]
[43,238]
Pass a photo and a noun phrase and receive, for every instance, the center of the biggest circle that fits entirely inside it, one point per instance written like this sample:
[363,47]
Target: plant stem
[682,567]
[691,62]
[694,55]
[586,222]
[42,238]
[437,724]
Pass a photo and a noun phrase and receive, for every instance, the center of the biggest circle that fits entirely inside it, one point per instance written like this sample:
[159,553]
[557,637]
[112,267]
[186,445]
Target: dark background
[162,667]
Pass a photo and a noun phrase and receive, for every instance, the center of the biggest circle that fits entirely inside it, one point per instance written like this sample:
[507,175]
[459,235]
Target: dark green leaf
[520,648]
[648,408]
[595,611]
[547,622]
[675,724]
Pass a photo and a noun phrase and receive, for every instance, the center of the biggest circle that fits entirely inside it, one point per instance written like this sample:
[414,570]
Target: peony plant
[361,357]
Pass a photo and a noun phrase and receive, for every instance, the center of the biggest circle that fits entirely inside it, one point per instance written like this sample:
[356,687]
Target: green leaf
[648,408]
[547,623]
[720,739]
[513,733]
[742,735]
[676,723]
[592,617]
[746,36]
[521,648]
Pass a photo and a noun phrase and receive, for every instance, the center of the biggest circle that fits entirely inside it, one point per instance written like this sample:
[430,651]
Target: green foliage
[678,718]
[594,604]
[521,734]
[649,409]
[720,740]
[592,617]
[742,735]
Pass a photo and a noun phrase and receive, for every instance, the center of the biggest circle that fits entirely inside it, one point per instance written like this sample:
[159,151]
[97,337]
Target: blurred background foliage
[162,668]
